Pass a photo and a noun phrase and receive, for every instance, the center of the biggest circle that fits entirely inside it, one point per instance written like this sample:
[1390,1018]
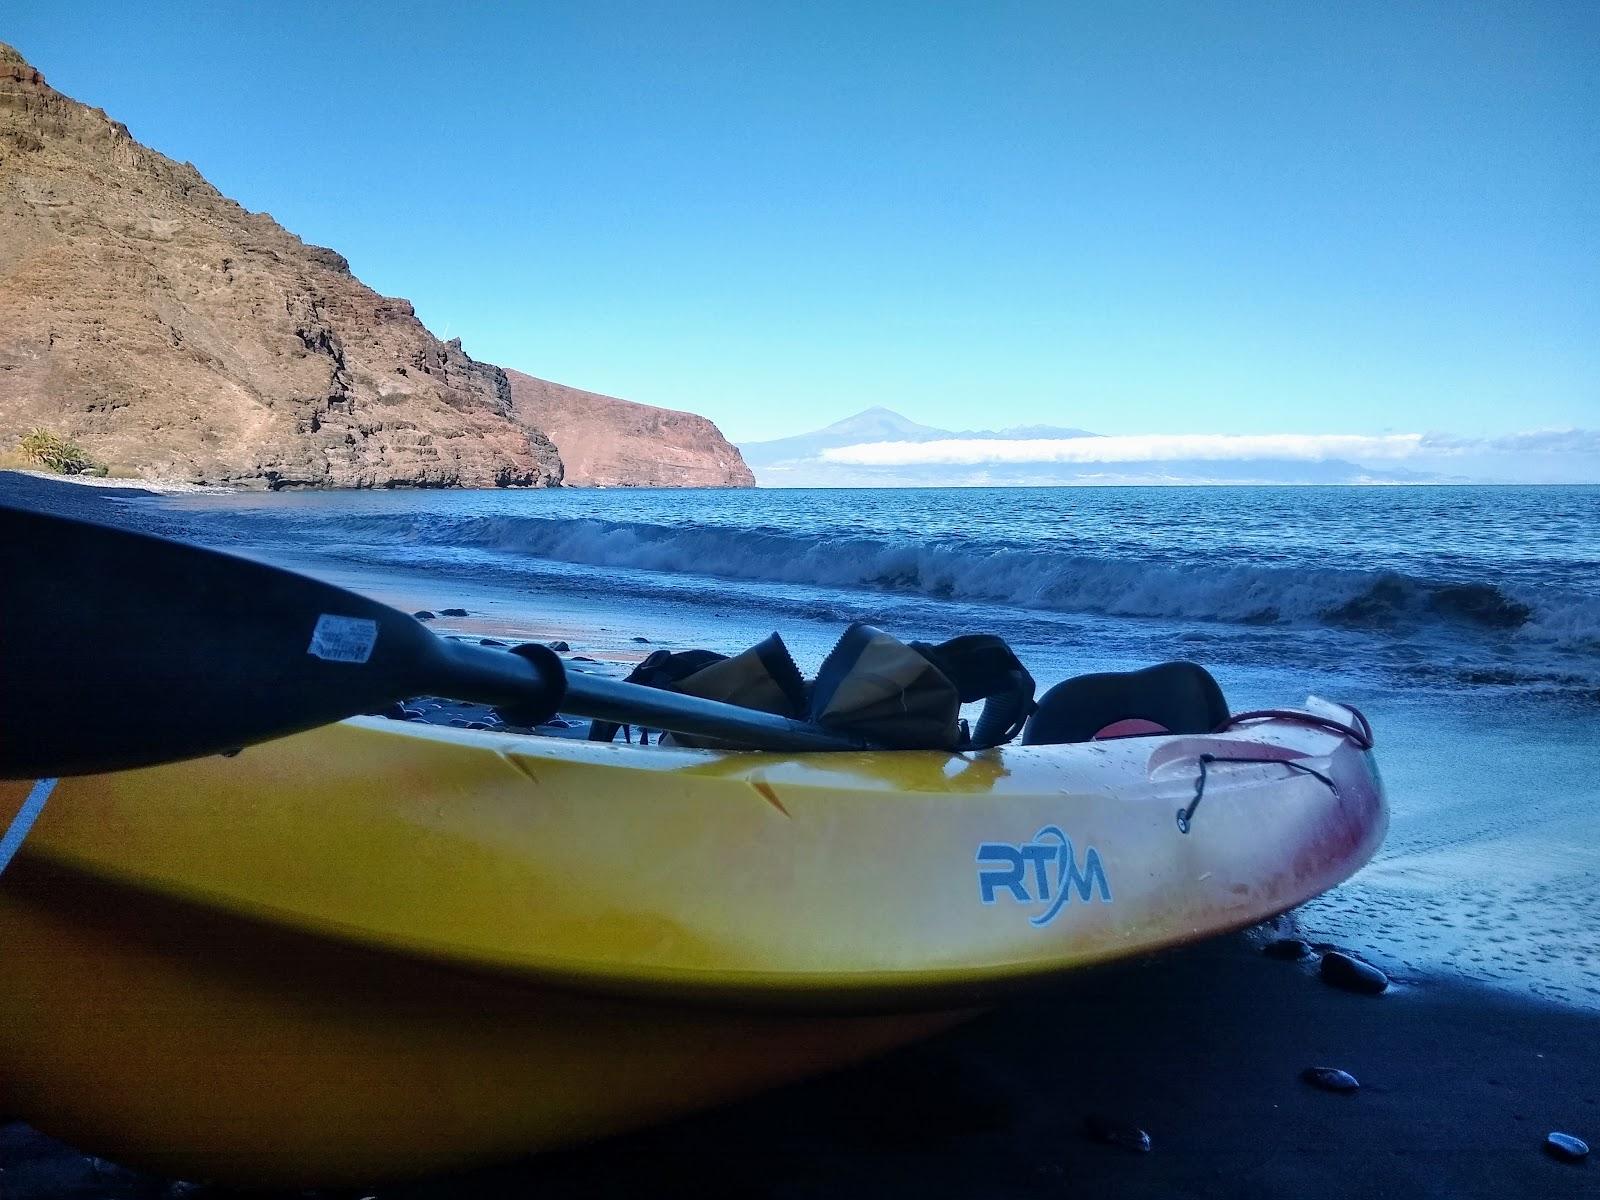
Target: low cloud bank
[1206,447]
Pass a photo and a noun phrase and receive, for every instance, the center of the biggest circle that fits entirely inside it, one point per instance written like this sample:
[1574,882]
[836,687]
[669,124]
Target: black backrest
[1182,697]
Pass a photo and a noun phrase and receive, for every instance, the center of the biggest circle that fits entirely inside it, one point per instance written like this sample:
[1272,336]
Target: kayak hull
[373,950]
[164,1036]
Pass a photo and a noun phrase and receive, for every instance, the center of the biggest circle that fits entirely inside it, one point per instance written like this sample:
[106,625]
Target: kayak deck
[862,878]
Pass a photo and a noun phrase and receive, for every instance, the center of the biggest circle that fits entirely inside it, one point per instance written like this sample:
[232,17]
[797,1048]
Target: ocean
[1427,587]
[1464,620]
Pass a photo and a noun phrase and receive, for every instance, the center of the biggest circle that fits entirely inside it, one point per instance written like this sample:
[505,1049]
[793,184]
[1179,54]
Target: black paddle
[119,649]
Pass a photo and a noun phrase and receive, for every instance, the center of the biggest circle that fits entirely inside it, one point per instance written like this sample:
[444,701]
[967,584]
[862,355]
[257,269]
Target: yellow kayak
[378,948]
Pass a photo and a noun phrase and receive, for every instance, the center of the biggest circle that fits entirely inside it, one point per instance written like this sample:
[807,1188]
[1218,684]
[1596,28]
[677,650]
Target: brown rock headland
[175,336]
[607,442]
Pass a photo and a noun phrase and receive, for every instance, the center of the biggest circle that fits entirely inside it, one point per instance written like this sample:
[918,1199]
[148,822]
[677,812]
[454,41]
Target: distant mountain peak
[878,423]
[875,424]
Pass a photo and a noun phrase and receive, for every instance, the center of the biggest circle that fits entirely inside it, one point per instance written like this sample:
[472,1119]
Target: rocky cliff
[606,442]
[173,334]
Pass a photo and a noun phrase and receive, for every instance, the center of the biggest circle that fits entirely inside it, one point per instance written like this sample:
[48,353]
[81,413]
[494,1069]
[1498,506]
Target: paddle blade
[119,649]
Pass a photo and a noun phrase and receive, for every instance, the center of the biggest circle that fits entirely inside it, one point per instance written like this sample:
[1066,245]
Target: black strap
[661,670]
[983,667]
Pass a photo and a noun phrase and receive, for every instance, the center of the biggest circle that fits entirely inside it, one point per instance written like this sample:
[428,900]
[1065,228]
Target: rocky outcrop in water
[175,335]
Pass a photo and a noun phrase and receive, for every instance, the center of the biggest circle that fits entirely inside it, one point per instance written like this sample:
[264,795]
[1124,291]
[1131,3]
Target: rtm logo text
[1012,868]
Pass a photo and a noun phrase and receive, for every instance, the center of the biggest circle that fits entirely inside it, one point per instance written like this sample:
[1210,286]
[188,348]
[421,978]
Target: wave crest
[966,570]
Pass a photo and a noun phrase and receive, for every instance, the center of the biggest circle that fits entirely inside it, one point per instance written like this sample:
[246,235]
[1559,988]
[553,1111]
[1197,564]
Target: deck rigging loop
[1360,734]
[1186,814]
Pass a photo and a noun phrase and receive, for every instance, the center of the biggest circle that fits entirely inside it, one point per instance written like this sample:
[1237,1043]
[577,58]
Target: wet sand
[1201,1048]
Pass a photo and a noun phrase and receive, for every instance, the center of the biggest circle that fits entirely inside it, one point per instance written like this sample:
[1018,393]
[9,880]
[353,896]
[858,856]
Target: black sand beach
[1203,1049]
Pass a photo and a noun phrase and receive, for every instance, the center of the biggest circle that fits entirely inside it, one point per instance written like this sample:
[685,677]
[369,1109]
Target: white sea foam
[1034,577]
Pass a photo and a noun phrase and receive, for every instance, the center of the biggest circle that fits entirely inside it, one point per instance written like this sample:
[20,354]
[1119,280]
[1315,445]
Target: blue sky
[1168,218]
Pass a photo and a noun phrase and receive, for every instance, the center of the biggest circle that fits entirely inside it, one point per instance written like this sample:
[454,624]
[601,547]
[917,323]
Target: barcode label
[343,639]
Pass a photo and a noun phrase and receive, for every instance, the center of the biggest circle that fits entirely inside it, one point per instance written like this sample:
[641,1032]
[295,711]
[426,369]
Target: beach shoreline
[1202,1048]
[131,486]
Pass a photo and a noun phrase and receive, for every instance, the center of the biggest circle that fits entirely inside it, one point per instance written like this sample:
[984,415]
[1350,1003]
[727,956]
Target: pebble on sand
[1566,1147]
[1353,975]
[490,642]
[1331,1079]
[1288,949]
[1109,1131]
[645,640]
[423,614]
[559,647]
[452,612]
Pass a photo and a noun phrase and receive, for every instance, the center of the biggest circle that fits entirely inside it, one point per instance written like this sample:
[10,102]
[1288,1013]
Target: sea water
[1464,620]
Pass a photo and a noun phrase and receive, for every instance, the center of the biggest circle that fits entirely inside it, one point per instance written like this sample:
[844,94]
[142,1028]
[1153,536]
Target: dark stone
[452,612]
[1288,949]
[1331,1079]
[1565,1147]
[425,615]
[1109,1131]
[583,658]
[645,640]
[559,647]
[1353,975]
[490,642]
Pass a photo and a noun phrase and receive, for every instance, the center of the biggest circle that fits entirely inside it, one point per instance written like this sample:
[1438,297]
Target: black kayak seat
[1170,697]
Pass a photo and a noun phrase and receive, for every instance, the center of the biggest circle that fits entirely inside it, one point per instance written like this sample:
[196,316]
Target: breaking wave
[969,570]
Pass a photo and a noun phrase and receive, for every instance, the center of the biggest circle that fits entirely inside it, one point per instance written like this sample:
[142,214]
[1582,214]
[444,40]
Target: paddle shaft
[493,676]
[630,703]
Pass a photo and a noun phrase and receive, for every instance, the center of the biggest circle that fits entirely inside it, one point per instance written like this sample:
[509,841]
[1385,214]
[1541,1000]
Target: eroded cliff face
[175,335]
[606,442]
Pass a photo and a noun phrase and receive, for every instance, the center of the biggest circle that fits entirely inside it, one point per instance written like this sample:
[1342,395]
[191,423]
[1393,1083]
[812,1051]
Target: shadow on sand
[1203,1048]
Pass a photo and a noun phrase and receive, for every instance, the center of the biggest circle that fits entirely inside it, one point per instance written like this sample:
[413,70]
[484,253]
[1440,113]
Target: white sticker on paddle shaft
[343,639]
